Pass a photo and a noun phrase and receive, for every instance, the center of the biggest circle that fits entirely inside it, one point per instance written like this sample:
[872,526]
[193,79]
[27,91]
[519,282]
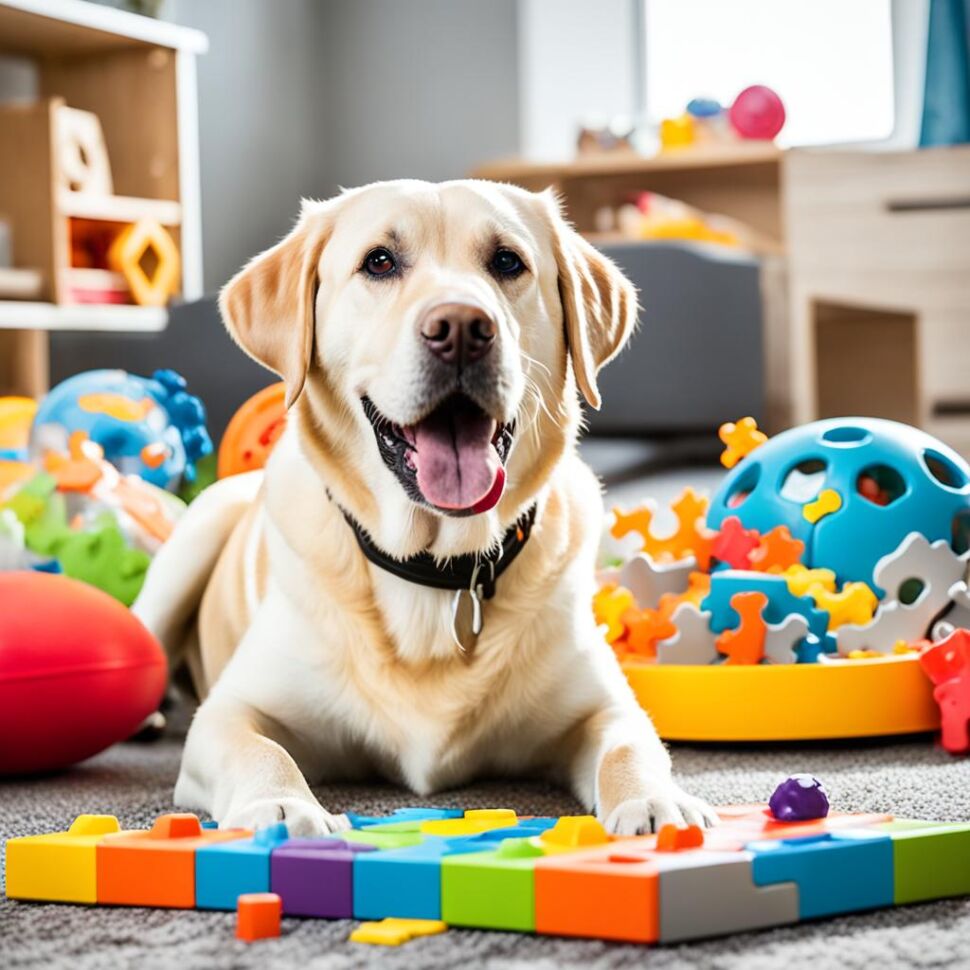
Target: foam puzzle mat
[491,869]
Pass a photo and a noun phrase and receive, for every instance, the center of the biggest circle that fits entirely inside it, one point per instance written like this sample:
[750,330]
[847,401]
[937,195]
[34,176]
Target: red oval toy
[78,672]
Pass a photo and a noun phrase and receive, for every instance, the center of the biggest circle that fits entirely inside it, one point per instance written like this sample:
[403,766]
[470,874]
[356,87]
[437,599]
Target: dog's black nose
[458,333]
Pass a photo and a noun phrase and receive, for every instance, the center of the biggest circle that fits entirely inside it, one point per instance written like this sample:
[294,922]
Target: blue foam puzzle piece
[840,872]
[406,882]
[226,870]
[414,814]
[782,602]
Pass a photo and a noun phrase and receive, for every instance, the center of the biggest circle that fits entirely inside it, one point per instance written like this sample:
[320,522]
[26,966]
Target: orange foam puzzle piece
[644,630]
[157,867]
[690,537]
[672,838]
[746,644]
[777,551]
[740,439]
[258,916]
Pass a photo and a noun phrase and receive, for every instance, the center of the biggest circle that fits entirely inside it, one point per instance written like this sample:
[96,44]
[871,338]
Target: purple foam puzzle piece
[315,877]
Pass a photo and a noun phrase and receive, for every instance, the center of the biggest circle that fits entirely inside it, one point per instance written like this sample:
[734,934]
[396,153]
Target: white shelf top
[24,315]
[67,20]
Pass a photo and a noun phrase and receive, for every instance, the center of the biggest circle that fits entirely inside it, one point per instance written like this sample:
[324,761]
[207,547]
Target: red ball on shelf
[757,113]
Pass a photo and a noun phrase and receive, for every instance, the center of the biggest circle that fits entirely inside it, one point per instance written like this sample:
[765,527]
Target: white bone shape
[648,580]
[693,643]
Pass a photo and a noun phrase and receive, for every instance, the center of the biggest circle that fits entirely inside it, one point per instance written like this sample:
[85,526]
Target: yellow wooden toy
[129,249]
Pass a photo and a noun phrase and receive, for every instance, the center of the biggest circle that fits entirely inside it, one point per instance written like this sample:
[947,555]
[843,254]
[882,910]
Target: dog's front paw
[303,818]
[668,805]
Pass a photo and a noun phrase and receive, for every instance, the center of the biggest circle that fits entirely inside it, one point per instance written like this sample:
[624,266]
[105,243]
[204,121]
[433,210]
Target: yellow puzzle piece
[393,931]
[474,821]
[609,605]
[801,580]
[855,603]
[828,501]
[572,832]
[61,866]
[740,439]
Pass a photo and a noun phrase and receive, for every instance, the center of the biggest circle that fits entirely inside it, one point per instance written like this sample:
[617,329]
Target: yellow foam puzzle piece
[801,580]
[828,501]
[393,931]
[60,866]
[740,439]
[572,832]
[474,821]
[855,603]
[609,605]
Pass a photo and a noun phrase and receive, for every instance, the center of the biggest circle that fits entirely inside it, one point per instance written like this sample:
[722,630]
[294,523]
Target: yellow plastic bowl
[841,699]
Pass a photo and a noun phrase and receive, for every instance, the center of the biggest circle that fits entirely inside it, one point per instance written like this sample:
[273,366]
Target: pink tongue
[456,464]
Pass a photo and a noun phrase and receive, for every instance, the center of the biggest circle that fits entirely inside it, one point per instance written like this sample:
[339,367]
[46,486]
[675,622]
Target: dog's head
[427,332]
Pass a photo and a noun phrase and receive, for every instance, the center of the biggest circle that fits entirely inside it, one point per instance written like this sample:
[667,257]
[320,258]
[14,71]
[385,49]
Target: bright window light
[830,61]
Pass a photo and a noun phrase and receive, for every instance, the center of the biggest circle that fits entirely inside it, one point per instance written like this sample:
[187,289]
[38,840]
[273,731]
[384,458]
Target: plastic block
[394,932]
[62,866]
[415,814]
[315,877]
[379,839]
[608,893]
[157,867]
[931,860]
[227,870]
[839,872]
[491,890]
[711,893]
[573,832]
[258,916]
[474,821]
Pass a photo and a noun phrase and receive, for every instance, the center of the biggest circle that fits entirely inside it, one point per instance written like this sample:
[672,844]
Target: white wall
[578,61]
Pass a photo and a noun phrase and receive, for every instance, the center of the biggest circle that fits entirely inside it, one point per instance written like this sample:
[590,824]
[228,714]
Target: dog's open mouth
[452,459]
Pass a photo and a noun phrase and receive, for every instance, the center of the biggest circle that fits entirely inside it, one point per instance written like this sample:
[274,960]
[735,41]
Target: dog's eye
[379,262]
[507,263]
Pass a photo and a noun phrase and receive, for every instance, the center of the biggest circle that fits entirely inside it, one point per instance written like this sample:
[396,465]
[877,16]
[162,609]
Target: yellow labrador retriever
[406,591]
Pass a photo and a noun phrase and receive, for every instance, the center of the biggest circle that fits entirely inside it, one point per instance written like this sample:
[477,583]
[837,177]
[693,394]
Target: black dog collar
[475,573]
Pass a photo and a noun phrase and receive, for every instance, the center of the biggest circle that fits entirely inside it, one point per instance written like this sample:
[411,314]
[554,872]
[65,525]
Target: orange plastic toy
[258,916]
[157,867]
[778,551]
[126,255]
[735,544]
[740,439]
[253,431]
[690,537]
[671,838]
[746,644]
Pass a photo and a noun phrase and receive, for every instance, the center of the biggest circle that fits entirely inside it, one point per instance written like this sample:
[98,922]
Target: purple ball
[799,799]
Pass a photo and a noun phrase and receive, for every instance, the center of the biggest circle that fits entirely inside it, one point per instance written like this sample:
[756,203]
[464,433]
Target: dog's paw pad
[669,806]
[302,817]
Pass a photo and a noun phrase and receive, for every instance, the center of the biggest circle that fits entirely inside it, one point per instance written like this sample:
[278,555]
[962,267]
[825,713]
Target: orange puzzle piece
[671,838]
[645,628]
[740,440]
[157,867]
[778,551]
[746,644]
[691,537]
[258,916]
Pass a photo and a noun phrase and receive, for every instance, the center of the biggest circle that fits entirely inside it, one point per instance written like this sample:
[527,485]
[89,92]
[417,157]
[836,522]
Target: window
[831,61]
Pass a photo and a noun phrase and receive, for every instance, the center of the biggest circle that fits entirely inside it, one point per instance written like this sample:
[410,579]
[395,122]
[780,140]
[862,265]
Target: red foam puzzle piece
[735,544]
[947,664]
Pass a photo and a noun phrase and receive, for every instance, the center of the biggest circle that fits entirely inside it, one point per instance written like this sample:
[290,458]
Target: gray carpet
[135,782]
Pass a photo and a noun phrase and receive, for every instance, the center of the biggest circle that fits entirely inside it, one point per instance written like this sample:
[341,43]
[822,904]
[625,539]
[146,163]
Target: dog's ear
[599,303]
[269,305]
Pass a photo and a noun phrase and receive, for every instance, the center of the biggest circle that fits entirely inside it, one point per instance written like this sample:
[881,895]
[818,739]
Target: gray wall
[298,97]
[422,88]
[262,137]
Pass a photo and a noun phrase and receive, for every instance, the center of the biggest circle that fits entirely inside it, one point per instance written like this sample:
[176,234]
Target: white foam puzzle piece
[936,566]
[648,580]
[694,641]
[957,617]
[782,638]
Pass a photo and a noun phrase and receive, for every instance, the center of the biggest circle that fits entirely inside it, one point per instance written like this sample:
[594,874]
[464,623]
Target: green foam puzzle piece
[382,839]
[931,860]
[493,890]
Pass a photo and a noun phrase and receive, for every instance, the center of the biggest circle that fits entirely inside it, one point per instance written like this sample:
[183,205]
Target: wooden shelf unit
[138,76]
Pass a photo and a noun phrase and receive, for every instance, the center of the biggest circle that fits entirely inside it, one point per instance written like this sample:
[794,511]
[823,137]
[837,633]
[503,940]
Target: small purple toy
[799,799]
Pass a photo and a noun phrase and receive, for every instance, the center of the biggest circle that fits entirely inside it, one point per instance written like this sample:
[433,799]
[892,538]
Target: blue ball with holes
[888,480]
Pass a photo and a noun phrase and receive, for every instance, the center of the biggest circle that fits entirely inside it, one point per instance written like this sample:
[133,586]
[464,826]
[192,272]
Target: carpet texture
[910,778]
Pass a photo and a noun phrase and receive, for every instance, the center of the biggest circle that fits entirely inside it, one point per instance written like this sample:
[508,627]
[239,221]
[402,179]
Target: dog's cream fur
[315,665]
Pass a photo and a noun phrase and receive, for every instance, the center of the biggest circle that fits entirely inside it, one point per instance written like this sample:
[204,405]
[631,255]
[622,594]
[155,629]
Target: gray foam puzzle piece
[936,566]
[693,643]
[710,894]
[781,639]
[957,617]
[648,580]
